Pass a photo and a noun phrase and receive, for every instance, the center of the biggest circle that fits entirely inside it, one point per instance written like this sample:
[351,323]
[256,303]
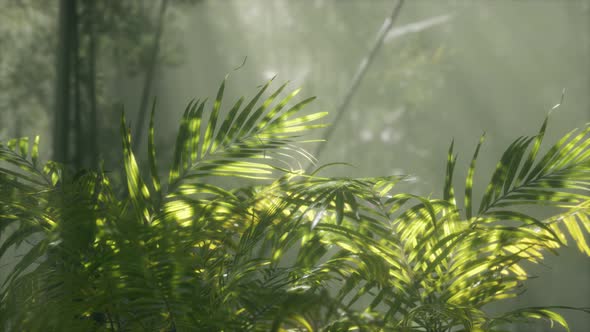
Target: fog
[397,96]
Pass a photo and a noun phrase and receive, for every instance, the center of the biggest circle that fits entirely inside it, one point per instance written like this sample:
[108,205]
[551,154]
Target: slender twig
[360,73]
[149,77]
[416,27]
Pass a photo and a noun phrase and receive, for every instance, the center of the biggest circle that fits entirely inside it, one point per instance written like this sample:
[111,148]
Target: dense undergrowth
[289,251]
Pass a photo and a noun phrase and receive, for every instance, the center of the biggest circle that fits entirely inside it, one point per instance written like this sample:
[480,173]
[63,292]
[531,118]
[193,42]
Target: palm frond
[295,252]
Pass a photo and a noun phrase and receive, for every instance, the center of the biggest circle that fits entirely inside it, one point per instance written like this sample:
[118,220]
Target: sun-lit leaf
[448,191]
[152,155]
[138,191]
[280,250]
[35,151]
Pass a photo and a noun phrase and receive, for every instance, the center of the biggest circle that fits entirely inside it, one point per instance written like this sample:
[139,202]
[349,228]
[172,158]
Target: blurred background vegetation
[444,70]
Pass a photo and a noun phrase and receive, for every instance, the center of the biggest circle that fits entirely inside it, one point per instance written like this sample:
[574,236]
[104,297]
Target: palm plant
[286,251]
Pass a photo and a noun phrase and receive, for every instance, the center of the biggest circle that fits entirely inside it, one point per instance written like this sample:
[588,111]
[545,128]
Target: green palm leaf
[300,252]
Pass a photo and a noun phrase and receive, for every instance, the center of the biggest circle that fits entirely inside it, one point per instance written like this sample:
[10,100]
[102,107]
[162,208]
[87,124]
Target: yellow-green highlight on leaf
[208,142]
[23,146]
[152,154]
[138,191]
[276,110]
[35,151]
[448,191]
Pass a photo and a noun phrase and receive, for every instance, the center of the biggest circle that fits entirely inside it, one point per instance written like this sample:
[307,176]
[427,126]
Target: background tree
[90,38]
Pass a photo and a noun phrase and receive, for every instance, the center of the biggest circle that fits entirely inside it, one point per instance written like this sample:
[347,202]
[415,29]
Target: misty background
[444,70]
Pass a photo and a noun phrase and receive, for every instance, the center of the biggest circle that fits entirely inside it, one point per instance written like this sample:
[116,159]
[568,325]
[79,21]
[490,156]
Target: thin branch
[416,27]
[360,73]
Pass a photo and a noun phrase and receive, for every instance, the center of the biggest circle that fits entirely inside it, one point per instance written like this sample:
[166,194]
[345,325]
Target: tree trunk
[147,87]
[78,136]
[67,11]
[91,86]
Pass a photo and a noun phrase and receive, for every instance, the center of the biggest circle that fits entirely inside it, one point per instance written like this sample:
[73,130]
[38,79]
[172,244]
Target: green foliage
[287,252]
